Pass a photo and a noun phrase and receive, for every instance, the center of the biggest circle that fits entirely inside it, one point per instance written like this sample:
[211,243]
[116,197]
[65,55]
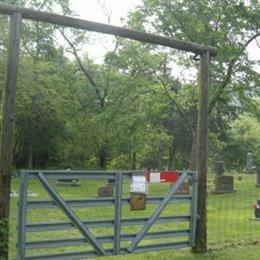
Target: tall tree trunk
[30,155]
[172,151]
[8,131]
[102,157]
[160,157]
[134,158]
[192,160]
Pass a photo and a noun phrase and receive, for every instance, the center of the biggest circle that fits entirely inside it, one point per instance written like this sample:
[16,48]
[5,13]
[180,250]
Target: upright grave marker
[215,160]
[220,168]
[257,177]
[223,184]
[249,163]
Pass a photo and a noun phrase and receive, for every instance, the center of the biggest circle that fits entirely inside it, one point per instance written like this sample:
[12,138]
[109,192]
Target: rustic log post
[8,130]
[201,155]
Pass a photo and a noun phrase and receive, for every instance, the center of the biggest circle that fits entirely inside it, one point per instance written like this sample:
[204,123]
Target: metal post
[21,229]
[118,210]
[193,209]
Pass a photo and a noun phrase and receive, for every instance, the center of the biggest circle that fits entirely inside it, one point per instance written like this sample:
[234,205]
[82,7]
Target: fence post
[193,209]
[21,229]
[118,210]
[202,142]
[8,130]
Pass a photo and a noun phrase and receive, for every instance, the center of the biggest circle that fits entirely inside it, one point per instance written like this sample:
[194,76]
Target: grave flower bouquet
[257,209]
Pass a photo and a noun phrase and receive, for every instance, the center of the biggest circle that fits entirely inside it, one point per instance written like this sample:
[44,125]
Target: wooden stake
[201,159]
[8,130]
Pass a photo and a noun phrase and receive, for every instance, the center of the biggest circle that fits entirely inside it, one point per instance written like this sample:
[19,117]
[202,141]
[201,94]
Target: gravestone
[106,191]
[258,177]
[249,163]
[223,183]
[215,160]
[220,168]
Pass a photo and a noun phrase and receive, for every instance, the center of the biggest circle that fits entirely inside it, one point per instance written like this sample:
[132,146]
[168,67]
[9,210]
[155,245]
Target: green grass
[229,226]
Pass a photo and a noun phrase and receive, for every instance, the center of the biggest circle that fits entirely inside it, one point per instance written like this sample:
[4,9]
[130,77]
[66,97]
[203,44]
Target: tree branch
[83,69]
[229,73]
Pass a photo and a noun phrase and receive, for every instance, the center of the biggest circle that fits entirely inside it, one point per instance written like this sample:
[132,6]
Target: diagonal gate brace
[156,214]
[71,215]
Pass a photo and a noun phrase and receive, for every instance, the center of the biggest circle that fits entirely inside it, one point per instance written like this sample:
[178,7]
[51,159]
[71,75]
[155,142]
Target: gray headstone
[249,163]
[220,168]
[106,191]
[224,184]
[257,177]
[215,159]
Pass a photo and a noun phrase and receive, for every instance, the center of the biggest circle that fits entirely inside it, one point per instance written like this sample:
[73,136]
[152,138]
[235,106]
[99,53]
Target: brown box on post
[137,201]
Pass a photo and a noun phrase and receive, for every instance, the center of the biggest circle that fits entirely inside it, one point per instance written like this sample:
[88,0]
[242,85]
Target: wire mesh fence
[231,215]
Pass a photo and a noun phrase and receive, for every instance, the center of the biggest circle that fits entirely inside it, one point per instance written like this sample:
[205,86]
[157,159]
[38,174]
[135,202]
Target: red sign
[165,176]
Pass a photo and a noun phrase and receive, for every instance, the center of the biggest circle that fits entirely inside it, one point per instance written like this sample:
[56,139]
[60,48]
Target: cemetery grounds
[231,233]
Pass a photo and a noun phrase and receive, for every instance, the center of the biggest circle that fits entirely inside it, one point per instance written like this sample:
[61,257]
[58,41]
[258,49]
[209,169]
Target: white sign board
[139,184]
[155,177]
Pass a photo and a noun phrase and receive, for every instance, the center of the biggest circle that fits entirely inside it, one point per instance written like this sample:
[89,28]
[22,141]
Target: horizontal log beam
[106,29]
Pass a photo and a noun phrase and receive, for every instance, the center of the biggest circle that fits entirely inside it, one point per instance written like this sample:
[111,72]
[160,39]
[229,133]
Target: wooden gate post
[8,130]
[201,154]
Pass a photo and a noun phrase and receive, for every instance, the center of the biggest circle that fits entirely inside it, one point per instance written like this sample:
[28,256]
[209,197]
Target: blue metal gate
[92,232]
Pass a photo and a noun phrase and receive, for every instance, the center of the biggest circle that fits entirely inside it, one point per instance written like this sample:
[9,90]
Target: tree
[231,26]
[39,121]
[243,137]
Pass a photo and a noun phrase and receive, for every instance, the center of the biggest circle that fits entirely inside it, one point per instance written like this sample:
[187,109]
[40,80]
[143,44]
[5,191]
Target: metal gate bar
[103,202]
[101,223]
[118,211]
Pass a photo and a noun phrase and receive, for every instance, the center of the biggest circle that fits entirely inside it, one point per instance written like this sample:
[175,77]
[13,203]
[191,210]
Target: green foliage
[231,27]
[4,232]
[130,110]
[244,138]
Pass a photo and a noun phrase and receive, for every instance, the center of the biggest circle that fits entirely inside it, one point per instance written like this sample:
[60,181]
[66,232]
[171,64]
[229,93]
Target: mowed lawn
[230,232]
